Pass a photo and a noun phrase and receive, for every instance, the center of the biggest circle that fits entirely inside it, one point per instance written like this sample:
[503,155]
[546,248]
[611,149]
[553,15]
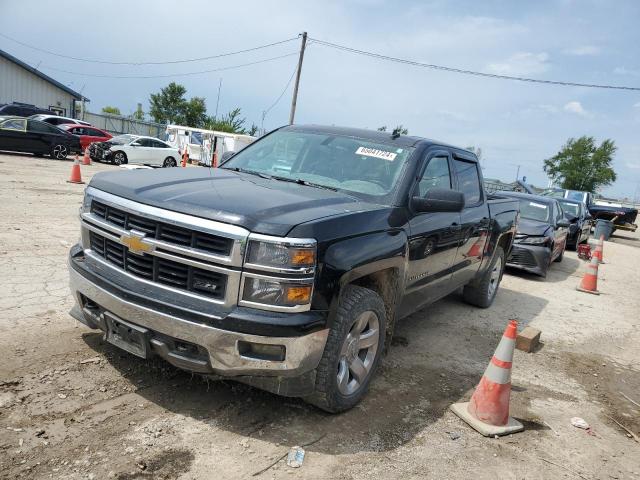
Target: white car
[57,119]
[135,149]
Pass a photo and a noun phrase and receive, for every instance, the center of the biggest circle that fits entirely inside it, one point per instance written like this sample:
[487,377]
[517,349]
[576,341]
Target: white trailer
[201,144]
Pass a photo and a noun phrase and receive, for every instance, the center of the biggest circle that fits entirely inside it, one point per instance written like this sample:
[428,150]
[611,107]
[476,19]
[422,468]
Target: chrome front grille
[173,252]
[155,269]
[162,231]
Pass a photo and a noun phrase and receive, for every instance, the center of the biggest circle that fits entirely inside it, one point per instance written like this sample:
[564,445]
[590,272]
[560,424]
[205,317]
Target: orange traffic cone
[75,172]
[185,157]
[598,252]
[86,159]
[488,410]
[214,161]
[589,283]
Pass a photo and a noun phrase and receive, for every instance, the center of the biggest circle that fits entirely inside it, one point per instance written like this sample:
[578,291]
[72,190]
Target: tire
[482,292]
[119,158]
[169,162]
[59,151]
[360,312]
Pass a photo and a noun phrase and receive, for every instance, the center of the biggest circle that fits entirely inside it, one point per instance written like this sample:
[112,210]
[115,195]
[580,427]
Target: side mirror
[226,156]
[563,223]
[438,200]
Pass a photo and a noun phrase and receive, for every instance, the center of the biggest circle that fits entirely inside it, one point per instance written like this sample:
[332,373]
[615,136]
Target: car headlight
[278,273]
[539,241]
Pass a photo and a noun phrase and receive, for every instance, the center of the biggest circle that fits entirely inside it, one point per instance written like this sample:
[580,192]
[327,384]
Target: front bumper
[211,349]
[531,258]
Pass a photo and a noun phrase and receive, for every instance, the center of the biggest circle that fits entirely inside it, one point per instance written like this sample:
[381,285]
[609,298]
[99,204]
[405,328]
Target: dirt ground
[73,407]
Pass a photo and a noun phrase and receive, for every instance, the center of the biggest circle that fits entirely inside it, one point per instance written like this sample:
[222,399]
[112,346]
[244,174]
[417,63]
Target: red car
[87,135]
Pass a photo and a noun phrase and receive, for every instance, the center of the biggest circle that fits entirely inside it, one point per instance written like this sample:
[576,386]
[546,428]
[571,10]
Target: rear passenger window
[468,181]
[436,175]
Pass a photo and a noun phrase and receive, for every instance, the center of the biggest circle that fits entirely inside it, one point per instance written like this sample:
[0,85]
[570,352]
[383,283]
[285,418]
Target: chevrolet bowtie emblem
[136,244]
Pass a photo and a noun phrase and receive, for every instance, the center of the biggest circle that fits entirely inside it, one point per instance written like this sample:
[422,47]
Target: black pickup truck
[287,267]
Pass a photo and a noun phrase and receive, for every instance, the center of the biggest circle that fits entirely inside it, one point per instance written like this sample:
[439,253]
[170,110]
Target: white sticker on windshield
[537,205]
[373,152]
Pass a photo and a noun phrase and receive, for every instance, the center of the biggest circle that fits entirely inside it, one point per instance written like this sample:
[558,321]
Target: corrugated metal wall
[20,85]
[116,124]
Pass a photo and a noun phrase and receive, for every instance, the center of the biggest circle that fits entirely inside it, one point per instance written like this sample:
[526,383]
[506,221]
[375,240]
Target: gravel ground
[73,407]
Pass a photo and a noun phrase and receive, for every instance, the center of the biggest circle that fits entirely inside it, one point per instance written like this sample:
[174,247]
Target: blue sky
[514,123]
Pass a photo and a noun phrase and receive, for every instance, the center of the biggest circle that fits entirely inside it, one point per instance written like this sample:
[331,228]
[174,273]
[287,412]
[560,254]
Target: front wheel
[353,350]
[482,292]
[169,162]
[119,158]
[59,151]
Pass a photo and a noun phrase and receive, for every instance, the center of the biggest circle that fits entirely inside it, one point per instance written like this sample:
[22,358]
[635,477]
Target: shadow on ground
[558,271]
[438,357]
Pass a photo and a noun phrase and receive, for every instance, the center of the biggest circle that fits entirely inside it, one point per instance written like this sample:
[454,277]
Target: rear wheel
[59,151]
[353,351]
[169,162]
[119,158]
[482,292]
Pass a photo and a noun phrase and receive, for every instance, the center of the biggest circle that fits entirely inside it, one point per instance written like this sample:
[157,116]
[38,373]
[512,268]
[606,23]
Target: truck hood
[260,205]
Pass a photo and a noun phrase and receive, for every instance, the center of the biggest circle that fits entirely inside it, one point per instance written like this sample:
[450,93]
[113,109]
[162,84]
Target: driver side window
[436,175]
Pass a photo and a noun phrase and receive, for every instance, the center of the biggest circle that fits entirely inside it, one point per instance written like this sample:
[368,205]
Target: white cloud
[583,50]
[577,108]
[626,71]
[522,63]
[632,165]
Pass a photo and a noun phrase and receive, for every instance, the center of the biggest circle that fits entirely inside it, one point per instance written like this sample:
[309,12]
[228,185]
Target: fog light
[261,351]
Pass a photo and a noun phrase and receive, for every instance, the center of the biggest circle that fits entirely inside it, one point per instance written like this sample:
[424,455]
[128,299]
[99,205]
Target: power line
[167,62]
[468,72]
[183,74]
[283,91]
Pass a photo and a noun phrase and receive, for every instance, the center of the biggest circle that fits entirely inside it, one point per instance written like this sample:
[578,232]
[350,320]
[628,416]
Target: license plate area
[127,336]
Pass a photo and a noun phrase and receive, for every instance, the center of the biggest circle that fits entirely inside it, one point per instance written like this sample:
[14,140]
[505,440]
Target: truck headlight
[276,292]
[281,255]
[278,273]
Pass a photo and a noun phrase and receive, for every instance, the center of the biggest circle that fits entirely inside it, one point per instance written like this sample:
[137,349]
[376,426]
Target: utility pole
[218,100]
[518,173]
[298,71]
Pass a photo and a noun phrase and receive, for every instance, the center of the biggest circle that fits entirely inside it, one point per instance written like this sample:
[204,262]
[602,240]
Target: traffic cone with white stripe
[86,159]
[488,410]
[589,282]
[598,252]
[75,176]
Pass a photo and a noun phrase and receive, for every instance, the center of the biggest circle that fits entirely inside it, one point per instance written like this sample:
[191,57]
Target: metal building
[20,82]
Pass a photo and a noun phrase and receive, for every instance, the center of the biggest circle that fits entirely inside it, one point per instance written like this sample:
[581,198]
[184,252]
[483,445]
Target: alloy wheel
[358,353]
[494,279]
[60,152]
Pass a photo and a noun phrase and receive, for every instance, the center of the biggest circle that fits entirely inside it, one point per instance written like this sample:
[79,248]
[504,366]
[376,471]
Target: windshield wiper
[250,172]
[300,181]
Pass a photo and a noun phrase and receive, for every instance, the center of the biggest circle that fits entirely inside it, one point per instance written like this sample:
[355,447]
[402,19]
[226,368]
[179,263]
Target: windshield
[575,195]
[122,139]
[571,209]
[344,163]
[534,211]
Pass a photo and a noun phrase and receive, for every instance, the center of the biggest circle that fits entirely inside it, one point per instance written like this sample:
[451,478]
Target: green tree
[582,165]
[111,110]
[171,106]
[232,122]
[195,112]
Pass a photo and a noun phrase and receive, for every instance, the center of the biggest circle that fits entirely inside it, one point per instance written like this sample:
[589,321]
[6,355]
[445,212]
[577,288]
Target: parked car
[541,237]
[20,134]
[88,135]
[580,222]
[623,218]
[135,149]
[17,109]
[290,282]
[57,119]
